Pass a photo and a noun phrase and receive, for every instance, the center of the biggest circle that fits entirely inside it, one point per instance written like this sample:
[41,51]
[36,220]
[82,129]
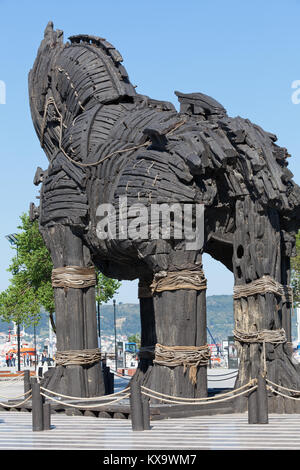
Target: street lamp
[13,240]
[98,314]
[115,327]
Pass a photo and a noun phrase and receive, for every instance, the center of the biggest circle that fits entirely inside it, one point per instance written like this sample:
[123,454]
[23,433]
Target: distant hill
[219,319]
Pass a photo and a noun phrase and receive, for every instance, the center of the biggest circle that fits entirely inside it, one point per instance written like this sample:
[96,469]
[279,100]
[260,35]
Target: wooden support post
[136,406]
[27,384]
[258,403]
[106,380]
[111,382]
[46,416]
[262,400]
[146,412]
[37,407]
[201,340]
[252,408]
[252,398]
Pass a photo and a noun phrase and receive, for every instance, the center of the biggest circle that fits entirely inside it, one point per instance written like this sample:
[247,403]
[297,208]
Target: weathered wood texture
[86,114]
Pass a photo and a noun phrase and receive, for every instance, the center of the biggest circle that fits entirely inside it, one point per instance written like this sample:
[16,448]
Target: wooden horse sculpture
[107,146]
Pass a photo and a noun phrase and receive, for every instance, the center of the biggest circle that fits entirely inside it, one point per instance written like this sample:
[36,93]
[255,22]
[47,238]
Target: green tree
[30,287]
[106,288]
[295,265]
[135,339]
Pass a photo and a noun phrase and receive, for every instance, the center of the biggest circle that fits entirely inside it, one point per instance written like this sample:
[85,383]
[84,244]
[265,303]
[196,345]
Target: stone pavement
[219,432]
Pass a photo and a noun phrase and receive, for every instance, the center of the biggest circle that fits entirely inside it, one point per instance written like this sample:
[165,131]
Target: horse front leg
[79,368]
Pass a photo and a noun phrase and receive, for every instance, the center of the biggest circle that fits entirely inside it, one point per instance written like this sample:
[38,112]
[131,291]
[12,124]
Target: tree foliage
[295,265]
[135,339]
[30,288]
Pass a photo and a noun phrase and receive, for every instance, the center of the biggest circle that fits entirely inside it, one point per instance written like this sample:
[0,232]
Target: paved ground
[219,432]
[226,432]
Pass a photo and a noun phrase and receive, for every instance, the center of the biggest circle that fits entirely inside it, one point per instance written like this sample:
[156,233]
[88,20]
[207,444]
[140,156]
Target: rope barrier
[72,405]
[282,387]
[202,403]
[6,382]
[17,396]
[15,405]
[196,400]
[126,377]
[282,394]
[104,397]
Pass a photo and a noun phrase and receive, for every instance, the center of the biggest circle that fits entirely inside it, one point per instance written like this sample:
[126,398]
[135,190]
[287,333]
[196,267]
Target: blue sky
[244,54]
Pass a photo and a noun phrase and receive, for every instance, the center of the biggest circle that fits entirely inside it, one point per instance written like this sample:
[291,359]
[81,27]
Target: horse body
[105,142]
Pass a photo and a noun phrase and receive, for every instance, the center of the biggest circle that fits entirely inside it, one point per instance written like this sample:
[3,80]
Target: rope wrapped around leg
[77,277]
[74,357]
[262,286]
[185,279]
[187,356]
[262,336]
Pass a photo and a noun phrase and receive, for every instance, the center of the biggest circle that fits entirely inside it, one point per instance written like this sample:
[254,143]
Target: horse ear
[48,30]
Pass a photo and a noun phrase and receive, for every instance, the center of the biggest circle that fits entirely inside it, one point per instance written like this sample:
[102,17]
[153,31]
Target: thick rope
[217,400]
[187,356]
[225,394]
[104,397]
[262,286]
[281,394]
[173,280]
[72,405]
[263,336]
[76,277]
[282,387]
[77,357]
[15,405]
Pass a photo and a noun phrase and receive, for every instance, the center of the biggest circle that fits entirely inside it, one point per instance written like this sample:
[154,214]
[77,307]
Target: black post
[115,328]
[27,383]
[46,416]
[262,400]
[252,397]
[258,403]
[35,356]
[252,407]
[37,407]
[111,383]
[146,412]
[99,327]
[105,379]
[19,347]
[136,406]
